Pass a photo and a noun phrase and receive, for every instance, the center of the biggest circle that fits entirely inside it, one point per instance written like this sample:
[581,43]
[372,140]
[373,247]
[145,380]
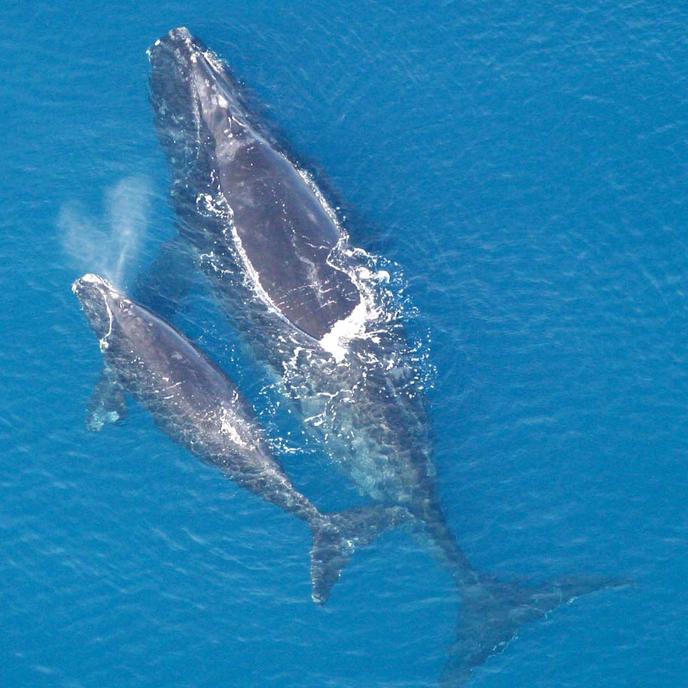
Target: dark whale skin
[199,407]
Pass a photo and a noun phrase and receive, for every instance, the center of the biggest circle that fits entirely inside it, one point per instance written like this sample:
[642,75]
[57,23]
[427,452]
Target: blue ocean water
[525,165]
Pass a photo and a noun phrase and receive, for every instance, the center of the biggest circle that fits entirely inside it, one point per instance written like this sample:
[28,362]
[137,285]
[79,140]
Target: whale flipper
[337,535]
[492,613]
[107,404]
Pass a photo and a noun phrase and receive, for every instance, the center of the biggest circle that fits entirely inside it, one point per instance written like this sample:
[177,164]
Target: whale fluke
[337,535]
[493,611]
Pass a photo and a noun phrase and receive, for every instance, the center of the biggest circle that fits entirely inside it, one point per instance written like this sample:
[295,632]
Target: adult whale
[197,405]
[320,314]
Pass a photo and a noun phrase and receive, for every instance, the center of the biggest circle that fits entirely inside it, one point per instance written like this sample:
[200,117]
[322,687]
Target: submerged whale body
[319,314]
[197,405]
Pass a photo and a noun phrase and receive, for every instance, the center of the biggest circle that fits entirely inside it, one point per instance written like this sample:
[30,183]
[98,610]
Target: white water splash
[108,244]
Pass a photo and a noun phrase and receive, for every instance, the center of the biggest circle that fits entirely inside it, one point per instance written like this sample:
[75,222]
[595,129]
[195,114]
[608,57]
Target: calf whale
[199,407]
[321,315]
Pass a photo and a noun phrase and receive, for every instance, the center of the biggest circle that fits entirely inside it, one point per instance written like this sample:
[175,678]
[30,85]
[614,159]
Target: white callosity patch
[90,278]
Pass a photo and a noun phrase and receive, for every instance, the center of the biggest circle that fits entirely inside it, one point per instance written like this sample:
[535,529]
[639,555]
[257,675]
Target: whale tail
[336,536]
[492,613]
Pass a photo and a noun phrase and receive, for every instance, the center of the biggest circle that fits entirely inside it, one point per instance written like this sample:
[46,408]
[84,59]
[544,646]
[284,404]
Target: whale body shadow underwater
[323,319]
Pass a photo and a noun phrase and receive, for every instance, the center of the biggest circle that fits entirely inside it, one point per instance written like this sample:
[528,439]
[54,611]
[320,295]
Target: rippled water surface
[525,165]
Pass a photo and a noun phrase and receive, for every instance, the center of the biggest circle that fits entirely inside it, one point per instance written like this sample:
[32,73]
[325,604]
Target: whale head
[195,97]
[101,303]
[172,59]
